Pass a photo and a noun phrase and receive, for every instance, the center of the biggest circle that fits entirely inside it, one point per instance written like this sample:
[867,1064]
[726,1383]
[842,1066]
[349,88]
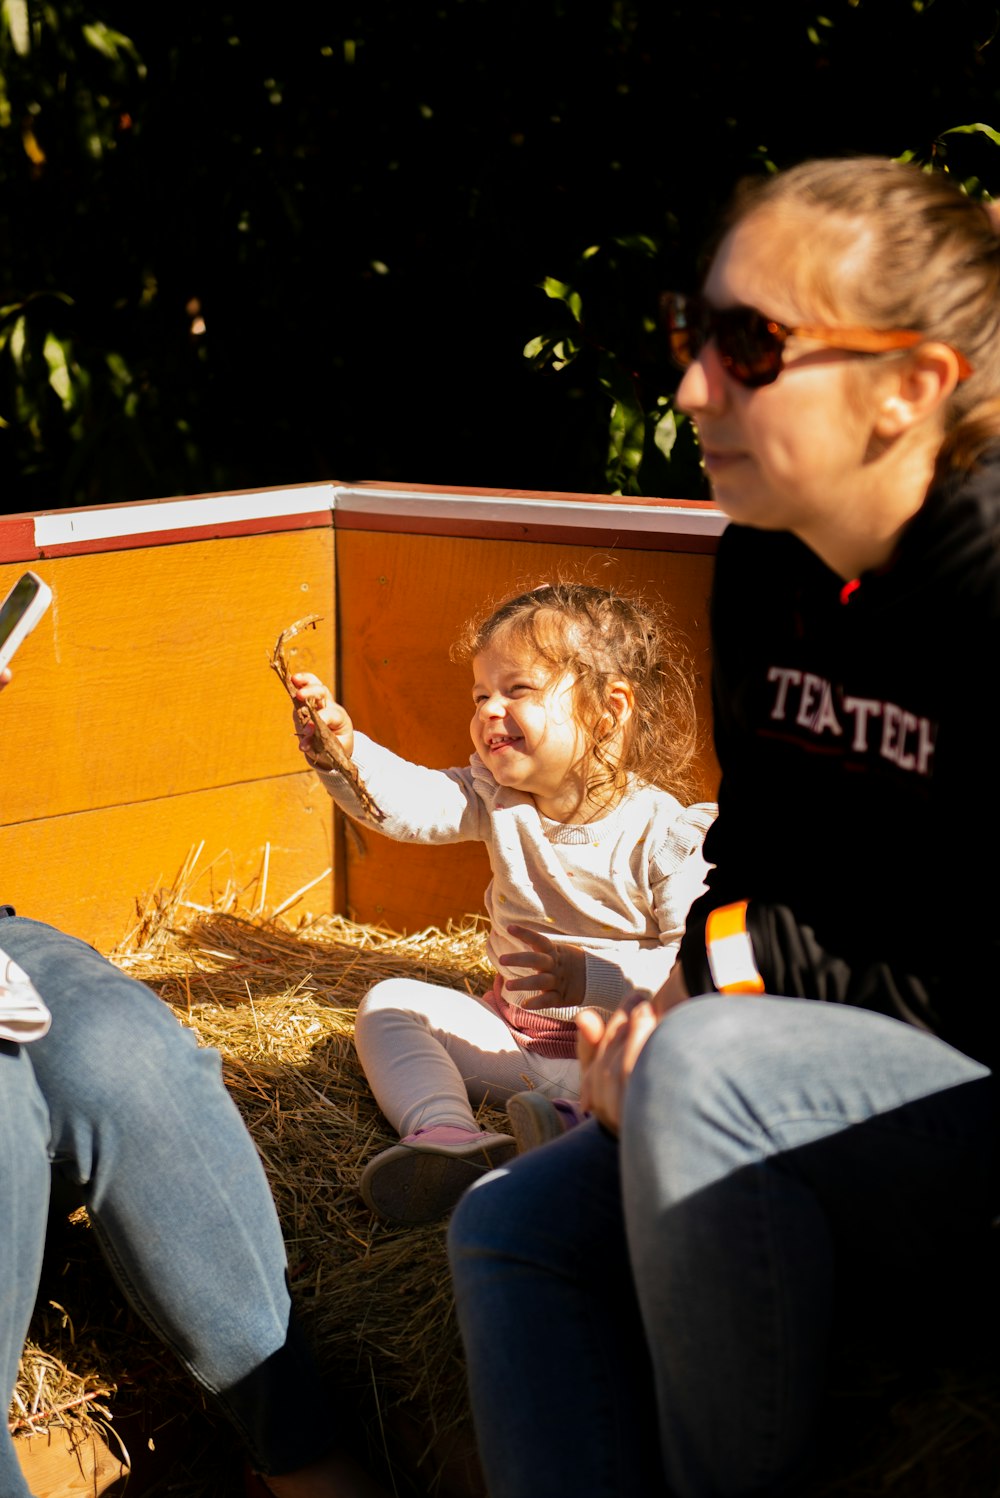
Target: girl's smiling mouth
[503,741]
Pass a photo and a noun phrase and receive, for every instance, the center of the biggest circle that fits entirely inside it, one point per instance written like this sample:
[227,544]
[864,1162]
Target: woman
[819,1121]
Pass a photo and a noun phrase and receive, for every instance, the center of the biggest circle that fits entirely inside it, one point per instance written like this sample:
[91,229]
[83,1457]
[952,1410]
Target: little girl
[581,720]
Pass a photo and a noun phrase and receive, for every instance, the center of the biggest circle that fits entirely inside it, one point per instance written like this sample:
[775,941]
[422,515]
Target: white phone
[20,612]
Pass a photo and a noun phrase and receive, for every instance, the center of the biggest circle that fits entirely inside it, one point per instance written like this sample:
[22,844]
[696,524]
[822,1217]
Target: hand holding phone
[20,612]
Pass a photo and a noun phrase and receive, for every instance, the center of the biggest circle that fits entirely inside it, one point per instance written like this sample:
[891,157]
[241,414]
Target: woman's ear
[919,390]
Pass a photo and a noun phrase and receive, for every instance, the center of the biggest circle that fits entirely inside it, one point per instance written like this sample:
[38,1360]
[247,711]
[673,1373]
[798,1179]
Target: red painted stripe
[517,530]
[17,538]
[319,519]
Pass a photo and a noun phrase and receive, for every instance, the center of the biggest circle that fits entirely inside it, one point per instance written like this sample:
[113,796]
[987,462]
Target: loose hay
[278,1002]
[50,1394]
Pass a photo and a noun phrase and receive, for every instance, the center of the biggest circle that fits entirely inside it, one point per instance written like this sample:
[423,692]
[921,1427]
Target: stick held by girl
[582,720]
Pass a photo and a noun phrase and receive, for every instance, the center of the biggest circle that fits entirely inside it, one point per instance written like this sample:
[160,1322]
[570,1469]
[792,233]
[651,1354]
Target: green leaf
[987,130]
[626,428]
[564,352]
[561,291]
[643,243]
[121,375]
[55,357]
[15,16]
[17,342]
[665,433]
[551,350]
[113,45]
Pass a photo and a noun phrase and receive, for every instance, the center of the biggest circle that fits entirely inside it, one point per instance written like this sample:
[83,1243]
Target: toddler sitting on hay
[578,731]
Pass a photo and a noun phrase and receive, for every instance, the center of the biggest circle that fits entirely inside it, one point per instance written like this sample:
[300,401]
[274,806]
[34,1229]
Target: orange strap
[730,950]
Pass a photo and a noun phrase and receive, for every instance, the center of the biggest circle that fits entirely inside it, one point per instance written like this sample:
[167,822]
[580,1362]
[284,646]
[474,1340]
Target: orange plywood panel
[149,677]
[407,888]
[83,872]
[402,601]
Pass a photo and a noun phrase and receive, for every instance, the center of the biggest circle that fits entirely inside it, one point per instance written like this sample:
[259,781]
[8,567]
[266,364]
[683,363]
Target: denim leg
[24,1199]
[559,1377]
[140,1119]
[770,1146]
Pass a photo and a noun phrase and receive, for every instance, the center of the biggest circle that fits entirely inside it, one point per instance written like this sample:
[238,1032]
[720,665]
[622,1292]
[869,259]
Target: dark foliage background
[248,246]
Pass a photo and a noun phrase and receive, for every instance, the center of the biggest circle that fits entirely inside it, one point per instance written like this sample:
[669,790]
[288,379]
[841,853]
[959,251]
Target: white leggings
[427,1051]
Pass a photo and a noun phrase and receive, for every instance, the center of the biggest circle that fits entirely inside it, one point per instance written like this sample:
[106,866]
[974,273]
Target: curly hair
[601,636]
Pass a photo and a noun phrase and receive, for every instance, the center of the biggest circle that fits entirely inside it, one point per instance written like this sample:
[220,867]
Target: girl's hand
[5,676]
[558,971]
[607,1054]
[309,689]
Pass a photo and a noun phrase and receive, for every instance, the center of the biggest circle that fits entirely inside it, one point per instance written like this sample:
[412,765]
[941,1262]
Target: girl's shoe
[535,1119]
[422,1177]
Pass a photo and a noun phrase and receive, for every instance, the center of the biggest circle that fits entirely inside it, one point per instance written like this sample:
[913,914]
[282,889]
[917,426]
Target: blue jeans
[655,1317]
[119,1097]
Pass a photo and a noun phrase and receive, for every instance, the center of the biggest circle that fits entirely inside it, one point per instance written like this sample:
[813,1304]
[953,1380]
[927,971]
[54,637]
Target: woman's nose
[703,385]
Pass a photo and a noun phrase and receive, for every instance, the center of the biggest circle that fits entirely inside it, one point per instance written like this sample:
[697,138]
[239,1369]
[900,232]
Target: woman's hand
[309,689]
[558,976]
[607,1054]
[673,992]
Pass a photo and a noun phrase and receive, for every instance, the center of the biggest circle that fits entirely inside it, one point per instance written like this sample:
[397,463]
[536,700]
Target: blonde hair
[903,248]
[601,636]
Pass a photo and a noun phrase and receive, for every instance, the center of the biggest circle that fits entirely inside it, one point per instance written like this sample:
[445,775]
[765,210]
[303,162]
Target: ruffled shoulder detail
[685,834]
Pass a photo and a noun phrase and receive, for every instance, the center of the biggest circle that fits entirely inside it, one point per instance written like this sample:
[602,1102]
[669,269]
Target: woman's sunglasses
[751,346]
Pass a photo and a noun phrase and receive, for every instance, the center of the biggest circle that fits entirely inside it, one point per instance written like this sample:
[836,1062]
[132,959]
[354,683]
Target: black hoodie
[857,730]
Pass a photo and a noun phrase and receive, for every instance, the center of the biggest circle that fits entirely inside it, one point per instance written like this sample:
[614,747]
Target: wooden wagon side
[144,723]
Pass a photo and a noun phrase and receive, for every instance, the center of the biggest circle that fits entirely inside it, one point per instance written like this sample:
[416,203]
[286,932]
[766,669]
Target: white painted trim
[76,526]
[178,514]
[590,515]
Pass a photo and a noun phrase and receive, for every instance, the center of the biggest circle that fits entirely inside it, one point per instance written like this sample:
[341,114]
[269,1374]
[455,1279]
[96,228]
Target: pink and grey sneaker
[535,1119]
[422,1177]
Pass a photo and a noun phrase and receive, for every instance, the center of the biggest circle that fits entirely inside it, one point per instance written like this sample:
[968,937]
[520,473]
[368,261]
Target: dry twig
[332,758]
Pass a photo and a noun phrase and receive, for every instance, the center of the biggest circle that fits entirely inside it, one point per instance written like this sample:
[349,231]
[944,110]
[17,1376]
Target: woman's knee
[707,1034]
[117,1056]
[700,1056]
[473,1225]
[559,1204]
[503,1215]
